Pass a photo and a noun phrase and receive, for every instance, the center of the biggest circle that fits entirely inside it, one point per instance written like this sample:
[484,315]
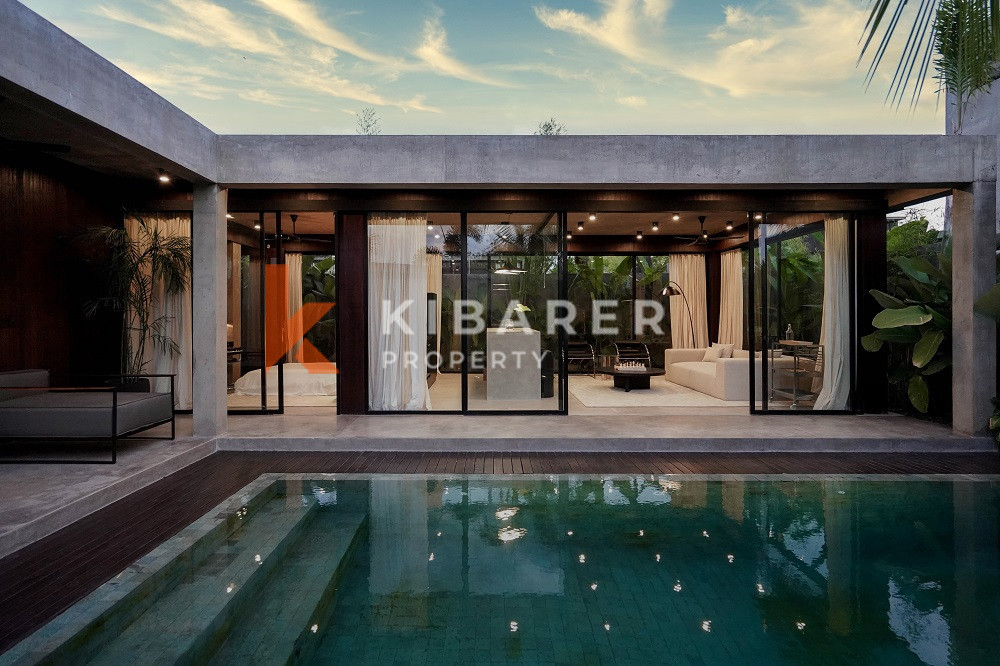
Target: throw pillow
[727,350]
[712,354]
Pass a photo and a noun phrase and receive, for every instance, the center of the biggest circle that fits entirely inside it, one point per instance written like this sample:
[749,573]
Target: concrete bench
[32,409]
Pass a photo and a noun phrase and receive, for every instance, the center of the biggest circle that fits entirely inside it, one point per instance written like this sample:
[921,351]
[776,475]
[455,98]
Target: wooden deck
[43,579]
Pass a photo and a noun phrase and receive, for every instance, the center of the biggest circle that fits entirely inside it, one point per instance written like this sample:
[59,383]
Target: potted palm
[138,265]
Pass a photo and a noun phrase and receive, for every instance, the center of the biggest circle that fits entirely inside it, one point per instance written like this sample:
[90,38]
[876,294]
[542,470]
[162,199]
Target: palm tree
[961,38]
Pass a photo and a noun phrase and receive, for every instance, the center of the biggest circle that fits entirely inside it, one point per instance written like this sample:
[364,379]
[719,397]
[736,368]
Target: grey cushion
[21,379]
[80,413]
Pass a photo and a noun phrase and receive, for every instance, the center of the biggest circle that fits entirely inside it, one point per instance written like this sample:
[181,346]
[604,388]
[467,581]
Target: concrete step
[188,621]
[278,627]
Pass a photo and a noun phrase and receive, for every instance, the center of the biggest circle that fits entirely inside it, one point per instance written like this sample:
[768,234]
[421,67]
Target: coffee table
[632,380]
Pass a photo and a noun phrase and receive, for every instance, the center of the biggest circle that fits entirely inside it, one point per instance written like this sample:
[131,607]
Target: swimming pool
[661,569]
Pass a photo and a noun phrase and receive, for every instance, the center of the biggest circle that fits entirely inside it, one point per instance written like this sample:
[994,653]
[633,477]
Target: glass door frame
[279,260]
[562,286]
[751,312]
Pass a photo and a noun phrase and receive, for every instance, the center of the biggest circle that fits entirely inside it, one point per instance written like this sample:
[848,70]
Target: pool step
[188,622]
[277,628]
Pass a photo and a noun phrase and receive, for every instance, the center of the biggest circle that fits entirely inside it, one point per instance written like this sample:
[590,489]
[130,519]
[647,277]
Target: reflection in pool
[320,569]
[672,571]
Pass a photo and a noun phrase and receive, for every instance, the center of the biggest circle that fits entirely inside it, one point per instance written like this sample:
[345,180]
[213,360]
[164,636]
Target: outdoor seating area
[31,410]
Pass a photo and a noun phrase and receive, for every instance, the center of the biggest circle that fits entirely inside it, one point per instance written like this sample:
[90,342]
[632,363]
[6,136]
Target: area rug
[598,392]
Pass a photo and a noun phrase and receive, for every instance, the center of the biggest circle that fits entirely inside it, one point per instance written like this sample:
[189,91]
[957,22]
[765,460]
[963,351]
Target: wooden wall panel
[44,279]
[352,313]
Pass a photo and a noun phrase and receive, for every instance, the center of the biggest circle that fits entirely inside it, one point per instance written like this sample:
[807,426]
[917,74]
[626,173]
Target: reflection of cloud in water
[612,495]
[926,632]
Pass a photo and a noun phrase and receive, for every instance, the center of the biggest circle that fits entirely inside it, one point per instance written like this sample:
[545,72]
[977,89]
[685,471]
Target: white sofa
[725,378]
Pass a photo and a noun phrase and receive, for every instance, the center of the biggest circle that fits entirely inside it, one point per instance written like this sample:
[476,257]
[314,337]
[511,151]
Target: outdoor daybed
[31,409]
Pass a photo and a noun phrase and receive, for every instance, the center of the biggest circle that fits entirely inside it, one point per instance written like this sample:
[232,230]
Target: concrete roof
[60,92]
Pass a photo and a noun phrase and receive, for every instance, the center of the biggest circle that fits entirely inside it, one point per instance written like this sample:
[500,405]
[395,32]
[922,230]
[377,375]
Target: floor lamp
[674,289]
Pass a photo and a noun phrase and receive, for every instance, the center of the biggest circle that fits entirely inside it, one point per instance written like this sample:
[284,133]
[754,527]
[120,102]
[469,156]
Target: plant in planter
[138,267]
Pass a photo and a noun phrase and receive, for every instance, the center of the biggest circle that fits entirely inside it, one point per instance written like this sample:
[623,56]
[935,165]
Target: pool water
[577,570]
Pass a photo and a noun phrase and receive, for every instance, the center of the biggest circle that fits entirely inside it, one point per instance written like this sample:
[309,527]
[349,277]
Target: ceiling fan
[705,237]
[295,238]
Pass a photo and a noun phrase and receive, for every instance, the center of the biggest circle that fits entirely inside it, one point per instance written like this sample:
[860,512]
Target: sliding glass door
[801,312]
[458,309]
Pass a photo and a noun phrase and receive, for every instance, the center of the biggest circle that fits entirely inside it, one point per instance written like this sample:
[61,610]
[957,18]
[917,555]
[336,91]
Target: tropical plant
[916,322]
[550,127]
[961,37]
[138,268]
[368,122]
[319,285]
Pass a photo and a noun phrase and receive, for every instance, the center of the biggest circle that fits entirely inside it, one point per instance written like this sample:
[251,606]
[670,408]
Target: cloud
[203,23]
[308,21]
[177,79]
[434,52]
[805,49]
[632,100]
[619,28]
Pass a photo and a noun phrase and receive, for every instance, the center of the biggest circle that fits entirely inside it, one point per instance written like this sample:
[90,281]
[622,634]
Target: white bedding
[298,381]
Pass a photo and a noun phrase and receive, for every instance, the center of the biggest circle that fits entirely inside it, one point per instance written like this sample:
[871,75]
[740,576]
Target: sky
[501,66]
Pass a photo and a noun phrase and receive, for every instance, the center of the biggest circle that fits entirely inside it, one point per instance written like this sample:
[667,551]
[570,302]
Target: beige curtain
[175,309]
[688,271]
[293,261]
[836,331]
[731,299]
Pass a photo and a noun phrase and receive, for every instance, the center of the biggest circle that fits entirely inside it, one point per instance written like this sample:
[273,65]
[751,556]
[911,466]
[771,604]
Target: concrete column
[208,243]
[974,232]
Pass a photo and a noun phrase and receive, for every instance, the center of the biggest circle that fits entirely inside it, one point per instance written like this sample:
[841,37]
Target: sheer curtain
[836,330]
[176,311]
[293,260]
[688,271]
[397,301]
[731,299]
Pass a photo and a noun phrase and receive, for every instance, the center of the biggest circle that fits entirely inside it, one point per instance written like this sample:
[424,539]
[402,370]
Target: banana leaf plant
[917,320]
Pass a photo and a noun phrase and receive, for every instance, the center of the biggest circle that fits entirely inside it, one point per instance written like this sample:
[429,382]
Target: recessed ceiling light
[758,216]
[638,234]
[164,176]
[229,216]
[437,235]
[256,226]
[729,225]
[593,217]
[676,217]
[569,235]
[430,227]
[656,226]
[704,235]
[579,225]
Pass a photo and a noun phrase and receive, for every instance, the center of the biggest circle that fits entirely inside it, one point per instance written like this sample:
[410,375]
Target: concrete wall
[596,161]
[45,62]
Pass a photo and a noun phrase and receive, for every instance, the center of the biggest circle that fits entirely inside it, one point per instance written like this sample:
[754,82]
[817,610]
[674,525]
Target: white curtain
[293,260]
[688,271]
[731,299]
[397,292]
[836,331]
[176,311]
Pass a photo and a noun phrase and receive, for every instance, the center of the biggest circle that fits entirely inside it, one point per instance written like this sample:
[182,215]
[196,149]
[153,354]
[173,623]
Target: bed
[298,380]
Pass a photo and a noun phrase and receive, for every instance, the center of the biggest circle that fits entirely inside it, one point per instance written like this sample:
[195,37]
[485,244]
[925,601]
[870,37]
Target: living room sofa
[724,378]
[31,409]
